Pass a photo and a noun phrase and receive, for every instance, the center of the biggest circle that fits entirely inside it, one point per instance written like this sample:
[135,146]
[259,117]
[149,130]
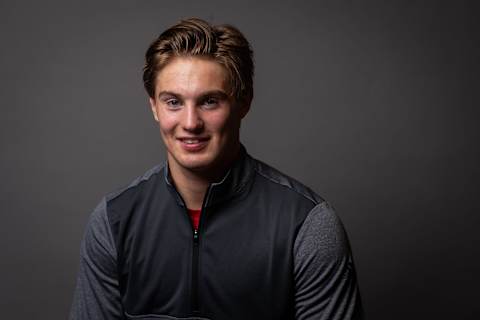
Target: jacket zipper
[195,307]
[195,256]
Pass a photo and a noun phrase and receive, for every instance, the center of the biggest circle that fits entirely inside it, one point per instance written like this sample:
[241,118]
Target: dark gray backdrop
[373,104]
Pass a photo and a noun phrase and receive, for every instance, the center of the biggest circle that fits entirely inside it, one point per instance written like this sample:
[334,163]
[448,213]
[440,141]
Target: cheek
[222,122]
[167,123]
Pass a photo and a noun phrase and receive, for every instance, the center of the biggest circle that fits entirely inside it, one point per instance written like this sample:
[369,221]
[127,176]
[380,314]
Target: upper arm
[324,273]
[97,294]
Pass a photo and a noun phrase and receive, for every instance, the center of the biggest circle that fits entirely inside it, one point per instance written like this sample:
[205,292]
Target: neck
[193,184]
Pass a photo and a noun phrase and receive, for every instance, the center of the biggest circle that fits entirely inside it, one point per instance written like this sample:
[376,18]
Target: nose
[192,120]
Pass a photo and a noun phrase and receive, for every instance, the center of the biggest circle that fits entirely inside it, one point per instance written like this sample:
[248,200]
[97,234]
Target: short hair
[224,44]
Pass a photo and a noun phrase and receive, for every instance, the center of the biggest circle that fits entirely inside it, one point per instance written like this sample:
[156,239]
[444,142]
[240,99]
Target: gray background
[373,104]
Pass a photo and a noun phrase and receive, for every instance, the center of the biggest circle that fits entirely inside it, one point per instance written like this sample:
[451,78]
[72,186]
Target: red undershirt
[195,217]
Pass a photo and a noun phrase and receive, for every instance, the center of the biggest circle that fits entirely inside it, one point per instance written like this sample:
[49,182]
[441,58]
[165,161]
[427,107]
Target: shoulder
[138,183]
[98,218]
[284,183]
[120,203]
[322,237]
[320,234]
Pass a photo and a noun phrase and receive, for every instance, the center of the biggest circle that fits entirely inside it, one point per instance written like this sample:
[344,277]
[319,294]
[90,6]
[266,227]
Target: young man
[214,233]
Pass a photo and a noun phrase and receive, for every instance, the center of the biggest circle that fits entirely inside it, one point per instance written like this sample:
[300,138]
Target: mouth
[193,143]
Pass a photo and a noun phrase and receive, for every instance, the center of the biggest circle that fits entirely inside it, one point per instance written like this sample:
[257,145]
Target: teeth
[191,141]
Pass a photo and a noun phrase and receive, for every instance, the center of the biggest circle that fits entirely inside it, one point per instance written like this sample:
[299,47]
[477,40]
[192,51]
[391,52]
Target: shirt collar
[235,182]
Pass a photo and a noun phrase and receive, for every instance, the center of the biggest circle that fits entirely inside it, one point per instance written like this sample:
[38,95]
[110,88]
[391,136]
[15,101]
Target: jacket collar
[235,182]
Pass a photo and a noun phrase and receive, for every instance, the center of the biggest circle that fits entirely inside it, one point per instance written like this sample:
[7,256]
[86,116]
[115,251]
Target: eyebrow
[216,93]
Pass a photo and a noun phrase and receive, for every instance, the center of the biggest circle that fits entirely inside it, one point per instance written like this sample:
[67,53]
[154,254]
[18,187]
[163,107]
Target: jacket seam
[110,233]
[135,183]
[287,186]
[323,204]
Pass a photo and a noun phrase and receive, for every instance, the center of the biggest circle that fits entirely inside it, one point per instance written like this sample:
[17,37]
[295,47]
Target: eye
[173,103]
[210,102]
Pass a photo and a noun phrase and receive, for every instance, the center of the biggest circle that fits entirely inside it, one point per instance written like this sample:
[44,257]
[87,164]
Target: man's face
[199,122]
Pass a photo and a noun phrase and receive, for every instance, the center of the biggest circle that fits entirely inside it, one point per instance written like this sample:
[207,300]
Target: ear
[244,108]
[154,108]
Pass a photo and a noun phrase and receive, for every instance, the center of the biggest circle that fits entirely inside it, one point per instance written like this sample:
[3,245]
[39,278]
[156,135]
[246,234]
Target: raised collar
[235,182]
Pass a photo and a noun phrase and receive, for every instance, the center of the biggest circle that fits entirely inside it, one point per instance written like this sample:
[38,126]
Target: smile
[190,141]
[193,144]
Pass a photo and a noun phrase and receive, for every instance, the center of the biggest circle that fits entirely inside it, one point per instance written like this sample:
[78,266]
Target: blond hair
[224,44]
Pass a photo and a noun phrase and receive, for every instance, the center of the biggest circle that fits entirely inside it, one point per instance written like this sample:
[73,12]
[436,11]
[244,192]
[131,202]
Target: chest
[239,260]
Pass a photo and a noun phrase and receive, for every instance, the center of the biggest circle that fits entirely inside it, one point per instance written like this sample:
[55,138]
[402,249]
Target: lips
[193,144]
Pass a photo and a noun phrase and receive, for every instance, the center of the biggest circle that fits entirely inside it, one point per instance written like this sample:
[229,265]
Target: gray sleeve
[324,274]
[97,294]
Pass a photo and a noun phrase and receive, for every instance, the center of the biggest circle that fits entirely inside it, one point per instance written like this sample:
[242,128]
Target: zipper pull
[195,236]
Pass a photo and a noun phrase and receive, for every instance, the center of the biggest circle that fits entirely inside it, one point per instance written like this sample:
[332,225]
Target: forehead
[190,76]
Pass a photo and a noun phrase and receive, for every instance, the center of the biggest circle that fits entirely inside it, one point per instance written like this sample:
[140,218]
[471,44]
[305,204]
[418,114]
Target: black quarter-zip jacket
[267,247]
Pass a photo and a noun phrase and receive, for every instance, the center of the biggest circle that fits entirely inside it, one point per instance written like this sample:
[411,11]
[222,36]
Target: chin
[196,162]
